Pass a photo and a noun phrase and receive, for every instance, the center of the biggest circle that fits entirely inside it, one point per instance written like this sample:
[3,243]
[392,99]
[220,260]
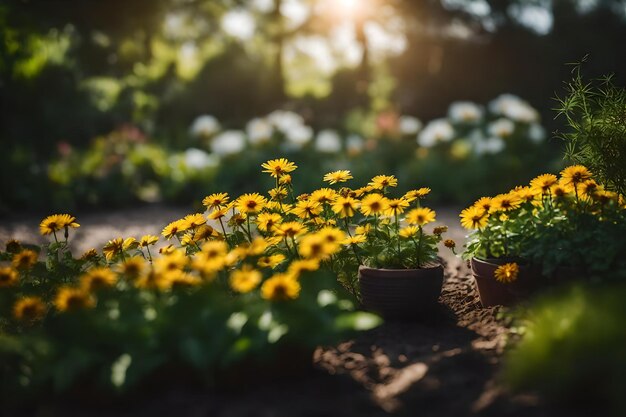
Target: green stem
[223,229]
[248,228]
[397,233]
[295,246]
[419,251]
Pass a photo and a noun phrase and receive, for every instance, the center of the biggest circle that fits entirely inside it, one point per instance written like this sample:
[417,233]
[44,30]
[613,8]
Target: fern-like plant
[595,113]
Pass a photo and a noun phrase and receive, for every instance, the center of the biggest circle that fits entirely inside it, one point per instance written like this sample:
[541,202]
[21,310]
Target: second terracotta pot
[493,292]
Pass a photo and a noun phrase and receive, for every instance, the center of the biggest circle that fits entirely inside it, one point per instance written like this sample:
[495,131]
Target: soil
[446,367]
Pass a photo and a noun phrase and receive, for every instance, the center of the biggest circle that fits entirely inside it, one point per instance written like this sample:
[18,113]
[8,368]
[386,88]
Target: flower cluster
[570,220]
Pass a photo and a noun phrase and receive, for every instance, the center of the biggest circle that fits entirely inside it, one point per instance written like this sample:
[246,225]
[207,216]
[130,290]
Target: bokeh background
[120,102]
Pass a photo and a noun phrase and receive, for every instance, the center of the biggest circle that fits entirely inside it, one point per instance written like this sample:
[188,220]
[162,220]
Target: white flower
[409,125]
[354,144]
[259,131]
[514,108]
[490,146]
[465,112]
[536,133]
[299,135]
[285,120]
[501,128]
[438,130]
[228,142]
[328,141]
[204,126]
[199,159]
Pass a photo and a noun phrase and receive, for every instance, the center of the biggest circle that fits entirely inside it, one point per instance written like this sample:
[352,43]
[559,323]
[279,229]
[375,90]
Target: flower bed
[244,282]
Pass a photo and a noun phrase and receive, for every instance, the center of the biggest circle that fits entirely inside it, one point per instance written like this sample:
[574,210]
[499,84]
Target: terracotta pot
[401,293]
[494,293]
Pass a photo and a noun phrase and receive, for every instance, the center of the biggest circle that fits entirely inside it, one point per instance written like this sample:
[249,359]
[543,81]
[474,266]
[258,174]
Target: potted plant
[399,275]
[551,231]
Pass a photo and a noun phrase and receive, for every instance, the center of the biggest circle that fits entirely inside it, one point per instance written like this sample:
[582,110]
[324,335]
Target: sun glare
[348,5]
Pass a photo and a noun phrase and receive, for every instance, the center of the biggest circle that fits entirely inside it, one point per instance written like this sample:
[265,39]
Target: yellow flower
[323,195]
[29,309]
[255,248]
[307,209]
[271,261]
[179,279]
[474,218]
[332,235]
[204,232]
[413,195]
[280,287]
[89,255]
[267,221]
[57,222]
[484,203]
[354,240]
[589,188]
[250,203]
[543,183]
[396,206]
[278,194]
[175,227]
[409,232]
[245,279]
[278,167]
[363,230]
[8,277]
[345,206]
[337,176]
[194,220]
[574,175]
[420,216]
[132,267]
[299,266]
[374,204]
[604,197]
[130,243]
[217,200]
[380,182]
[97,279]
[507,273]
[290,229]
[273,240]
[316,246]
[152,279]
[505,202]
[113,247]
[25,259]
[558,191]
[360,192]
[285,179]
[215,249]
[72,299]
[172,261]
[526,194]
[218,214]
[167,249]
[148,240]
[449,243]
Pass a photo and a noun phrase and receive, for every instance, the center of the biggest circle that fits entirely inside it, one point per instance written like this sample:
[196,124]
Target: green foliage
[135,333]
[572,350]
[595,113]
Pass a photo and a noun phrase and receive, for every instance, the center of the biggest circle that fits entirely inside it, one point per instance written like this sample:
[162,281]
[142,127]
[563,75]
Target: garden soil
[447,365]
